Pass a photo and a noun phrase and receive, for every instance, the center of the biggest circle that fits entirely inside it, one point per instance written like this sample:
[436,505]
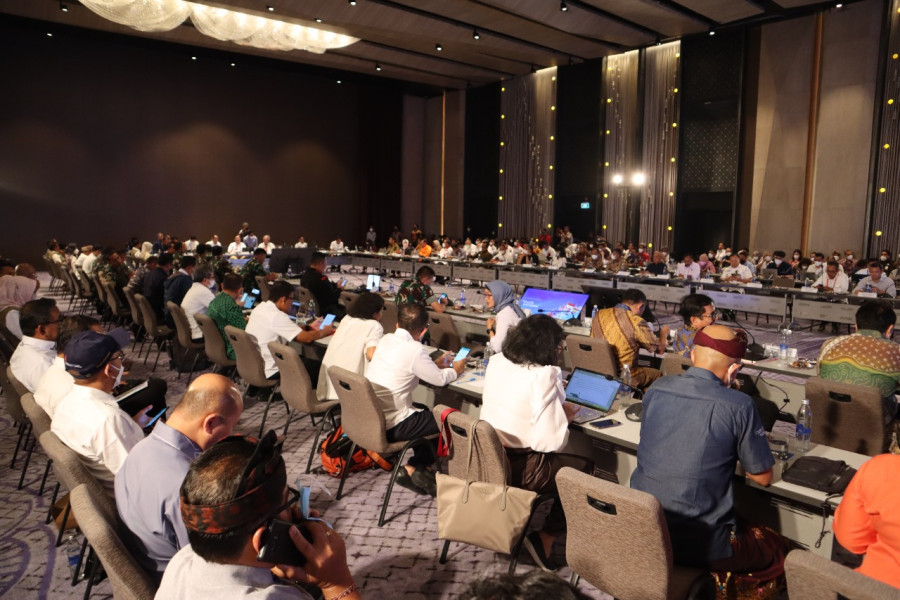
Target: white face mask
[818,263]
[594,256]
[849,257]
[212,285]
[778,261]
[796,256]
[768,259]
[836,257]
[118,376]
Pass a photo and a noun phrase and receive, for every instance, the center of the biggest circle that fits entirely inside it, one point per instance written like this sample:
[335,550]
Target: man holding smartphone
[229,497]
[326,292]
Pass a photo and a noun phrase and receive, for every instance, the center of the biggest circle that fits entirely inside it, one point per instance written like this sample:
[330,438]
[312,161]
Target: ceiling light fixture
[318,20]
[438,47]
[475,34]
[563,6]
[63,7]
[270,8]
[352,2]
[712,32]
[377,67]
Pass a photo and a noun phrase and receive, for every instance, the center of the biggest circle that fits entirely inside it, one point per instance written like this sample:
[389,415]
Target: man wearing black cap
[88,420]
[229,496]
[695,428]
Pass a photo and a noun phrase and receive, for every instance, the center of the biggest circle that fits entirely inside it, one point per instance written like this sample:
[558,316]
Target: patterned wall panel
[660,147]
[621,140]
[884,232]
[527,129]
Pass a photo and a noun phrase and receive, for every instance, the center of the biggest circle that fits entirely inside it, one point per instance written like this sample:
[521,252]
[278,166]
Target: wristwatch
[491,330]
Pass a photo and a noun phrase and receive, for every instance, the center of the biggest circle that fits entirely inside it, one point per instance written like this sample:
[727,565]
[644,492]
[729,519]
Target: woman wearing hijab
[499,297]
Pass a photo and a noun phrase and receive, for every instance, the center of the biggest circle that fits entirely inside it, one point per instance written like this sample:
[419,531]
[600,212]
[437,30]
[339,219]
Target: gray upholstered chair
[347,299]
[303,296]
[213,342]
[159,334]
[812,577]
[40,423]
[136,316]
[592,354]
[675,364]
[299,393]
[120,313]
[183,334]
[102,529]
[620,543]
[363,421]
[444,334]
[13,390]
[250,366]
[389,317]
[846,416]
[264,289]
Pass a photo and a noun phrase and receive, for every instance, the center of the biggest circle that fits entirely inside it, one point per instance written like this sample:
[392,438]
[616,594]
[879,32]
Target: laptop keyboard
[586,414]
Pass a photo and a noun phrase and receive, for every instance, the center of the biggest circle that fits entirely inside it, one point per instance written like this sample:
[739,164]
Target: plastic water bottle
[593,313]
[804,426]
[312,308]
[290,271]
[462,298]
[783,346]
[73,553]
[868,287]
[488,352]
[625,388]
[391,288]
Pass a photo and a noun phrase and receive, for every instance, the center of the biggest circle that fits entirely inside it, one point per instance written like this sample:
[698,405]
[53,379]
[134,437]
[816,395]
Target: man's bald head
[209,409]
[718,358]
[25,270]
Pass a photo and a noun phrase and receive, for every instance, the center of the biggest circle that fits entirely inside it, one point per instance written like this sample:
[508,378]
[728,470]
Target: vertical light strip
[443,153]
[814,90]
[620,102]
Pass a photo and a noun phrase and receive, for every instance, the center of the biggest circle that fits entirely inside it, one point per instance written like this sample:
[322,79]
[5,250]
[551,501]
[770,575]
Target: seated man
[735,272]
[198,298]
[745,261]
[88,420]
[400,360]
[326,292]
[782,267]
[418,291]
[112,271]
[39,321]
[147,496]
[658,265]
[868,518]
[269,322]
[228,498]
[136,283]
[695,428]
[224,309]
[267,244]
[877,282]
[697,311]
[237,246]
[688,269]
[254,268]
[833,280]
[867,357]
[336,245]
[154,284]
[625,330]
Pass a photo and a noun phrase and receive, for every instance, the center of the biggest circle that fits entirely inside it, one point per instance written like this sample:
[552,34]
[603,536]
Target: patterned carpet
[399,560]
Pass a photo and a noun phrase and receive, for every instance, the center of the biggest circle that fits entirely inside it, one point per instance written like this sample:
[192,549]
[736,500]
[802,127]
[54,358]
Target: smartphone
[344,281]
[441,297]
[605,423]
[277,546]
[463,352]
[155,418]
[328,320]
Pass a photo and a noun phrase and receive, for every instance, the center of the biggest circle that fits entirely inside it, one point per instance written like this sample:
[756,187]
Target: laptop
[294,310]
[373,283]
[593,392]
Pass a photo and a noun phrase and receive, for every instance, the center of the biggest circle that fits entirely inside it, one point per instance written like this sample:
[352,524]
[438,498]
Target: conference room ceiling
[401,36]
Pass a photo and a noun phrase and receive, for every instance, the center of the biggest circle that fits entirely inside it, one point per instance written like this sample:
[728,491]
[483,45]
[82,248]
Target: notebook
[594,392]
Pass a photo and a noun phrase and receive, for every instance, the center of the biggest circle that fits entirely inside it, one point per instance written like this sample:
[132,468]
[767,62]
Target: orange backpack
[334,448]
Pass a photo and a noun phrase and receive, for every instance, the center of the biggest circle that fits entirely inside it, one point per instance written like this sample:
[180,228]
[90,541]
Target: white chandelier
[219,23]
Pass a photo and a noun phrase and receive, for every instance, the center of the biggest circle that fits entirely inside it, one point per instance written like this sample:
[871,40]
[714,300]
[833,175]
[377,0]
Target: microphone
[754,351]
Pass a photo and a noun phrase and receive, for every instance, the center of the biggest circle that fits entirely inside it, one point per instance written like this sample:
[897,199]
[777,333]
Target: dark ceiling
[515,36]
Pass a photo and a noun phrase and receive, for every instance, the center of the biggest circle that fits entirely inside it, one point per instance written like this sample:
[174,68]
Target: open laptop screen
[593,390]
[559,305]
[373,283]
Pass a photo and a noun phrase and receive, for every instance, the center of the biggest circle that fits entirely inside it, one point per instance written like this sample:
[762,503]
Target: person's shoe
[536,549]
[404,480]
[425,480]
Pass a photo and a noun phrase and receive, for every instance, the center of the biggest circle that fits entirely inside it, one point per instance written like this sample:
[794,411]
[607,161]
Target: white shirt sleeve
[506,318]
[425,369]
[115,439]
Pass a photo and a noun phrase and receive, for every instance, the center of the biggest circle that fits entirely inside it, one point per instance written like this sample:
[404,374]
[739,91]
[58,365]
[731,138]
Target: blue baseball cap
[88,352]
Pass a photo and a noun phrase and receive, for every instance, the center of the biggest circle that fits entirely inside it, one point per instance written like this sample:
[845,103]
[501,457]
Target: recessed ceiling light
[318,20]
[63,7]
[438,47]
[352,2]
[377,67]
[563,6]
[475,34]
[270,8]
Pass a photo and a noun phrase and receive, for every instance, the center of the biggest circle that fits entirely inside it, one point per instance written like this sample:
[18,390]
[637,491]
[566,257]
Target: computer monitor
[559,305]
[373,283]
[295,258]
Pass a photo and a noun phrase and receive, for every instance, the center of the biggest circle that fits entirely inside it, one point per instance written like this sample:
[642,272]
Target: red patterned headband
[735,348]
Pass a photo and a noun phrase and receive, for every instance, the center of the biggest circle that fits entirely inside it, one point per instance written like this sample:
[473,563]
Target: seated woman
[707,267]
[524,400]
[354,341]
[499,297]
[697,311]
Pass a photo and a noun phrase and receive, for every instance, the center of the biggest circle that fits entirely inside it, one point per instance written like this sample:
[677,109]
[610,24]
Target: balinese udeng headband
[735,348]
[260,496]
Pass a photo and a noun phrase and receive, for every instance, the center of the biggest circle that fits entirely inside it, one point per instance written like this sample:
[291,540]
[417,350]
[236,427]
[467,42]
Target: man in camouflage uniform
[114,272]
[254,268]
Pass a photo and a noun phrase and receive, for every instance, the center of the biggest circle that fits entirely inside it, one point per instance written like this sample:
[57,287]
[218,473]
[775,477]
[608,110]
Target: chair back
[675,364]
[846,416]
[347,299]
[213,342]
[86,291]
[147,315]
[40,420]
[812,577]
[136,314]
[182,327]
[389,317]
[618,528]
[103,531]
[98,287]
[250,365]
[13,391]
[263,284]
[69,469]
[592,354]
[296,386]
[303,296]
[489,461]
[361,414]
[444,334]
[4,330]
[112,298]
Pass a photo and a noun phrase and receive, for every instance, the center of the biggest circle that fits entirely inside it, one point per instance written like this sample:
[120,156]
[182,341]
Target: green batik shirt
[863,358]
[223,310]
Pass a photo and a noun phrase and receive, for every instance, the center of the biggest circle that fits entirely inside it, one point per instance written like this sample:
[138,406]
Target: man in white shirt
[877,281]
[446,250]
[39,320]
[267,244]
[504,255]
[190,246]
[236,246]
[90,261]
[833,280]
[688,269]
[88,420]
[736,272]
[337,245]
[301,243]
[198,297]
[214,241]
[399,362]
[269,322]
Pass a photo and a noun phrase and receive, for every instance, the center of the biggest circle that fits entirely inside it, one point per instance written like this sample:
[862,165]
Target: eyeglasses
[711,316]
